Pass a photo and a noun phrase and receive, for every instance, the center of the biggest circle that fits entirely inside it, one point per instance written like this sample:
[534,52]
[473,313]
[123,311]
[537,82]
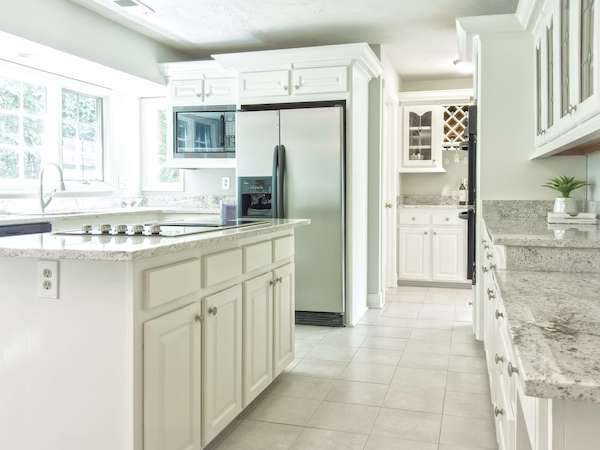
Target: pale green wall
[437,183]
[74,29]
[593,176]
[436,85]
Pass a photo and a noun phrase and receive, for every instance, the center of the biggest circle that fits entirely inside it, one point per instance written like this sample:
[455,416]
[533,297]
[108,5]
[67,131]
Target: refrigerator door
[257,134]
[313,140]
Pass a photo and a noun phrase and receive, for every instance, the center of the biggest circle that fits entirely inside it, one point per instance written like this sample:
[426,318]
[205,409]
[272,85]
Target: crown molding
[437,96]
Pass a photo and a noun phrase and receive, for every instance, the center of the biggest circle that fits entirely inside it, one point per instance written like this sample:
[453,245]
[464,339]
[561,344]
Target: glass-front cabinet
[566,61]
[422,141]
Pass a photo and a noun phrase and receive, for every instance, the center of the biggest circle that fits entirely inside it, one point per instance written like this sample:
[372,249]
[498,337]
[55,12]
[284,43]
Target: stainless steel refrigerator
[290,164]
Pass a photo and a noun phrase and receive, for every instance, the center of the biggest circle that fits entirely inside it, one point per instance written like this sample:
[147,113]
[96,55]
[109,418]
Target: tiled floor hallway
[409,377]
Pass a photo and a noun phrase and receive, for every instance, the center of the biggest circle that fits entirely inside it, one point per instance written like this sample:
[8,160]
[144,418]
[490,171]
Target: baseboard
[322,319]
[442,284]
[375,301]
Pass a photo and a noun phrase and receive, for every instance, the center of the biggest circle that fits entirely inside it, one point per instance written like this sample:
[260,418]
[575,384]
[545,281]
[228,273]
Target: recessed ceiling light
[463,66]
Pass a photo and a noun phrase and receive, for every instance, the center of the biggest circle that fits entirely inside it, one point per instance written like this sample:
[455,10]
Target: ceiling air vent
[126,3]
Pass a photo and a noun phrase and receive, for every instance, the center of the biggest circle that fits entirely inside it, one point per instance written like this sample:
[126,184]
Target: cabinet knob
[388,205]
[198,318]
[447,219]
[484,268]
[272,283]
[489,255]
[297,86]
[413,218]
[435,233]
[425,233]
[490,293]
[498,411]
[492,266]
[498,359]
[286,87]
[213,310]
[279,279]
[510,369]
[499,314]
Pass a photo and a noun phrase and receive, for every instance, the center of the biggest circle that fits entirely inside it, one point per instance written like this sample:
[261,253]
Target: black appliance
[25,228]
[470,214]
[204,132]
[255,197]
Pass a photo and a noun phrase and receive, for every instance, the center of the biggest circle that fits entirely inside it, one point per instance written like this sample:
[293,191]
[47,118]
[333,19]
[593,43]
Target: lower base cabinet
[172,380]
[222,362]
[284,318]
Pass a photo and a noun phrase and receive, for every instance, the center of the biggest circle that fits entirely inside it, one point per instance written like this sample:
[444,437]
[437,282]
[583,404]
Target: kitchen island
[144,342]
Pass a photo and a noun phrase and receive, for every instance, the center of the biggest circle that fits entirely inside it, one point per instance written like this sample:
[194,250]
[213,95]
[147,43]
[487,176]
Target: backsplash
[424,199]
[527,209]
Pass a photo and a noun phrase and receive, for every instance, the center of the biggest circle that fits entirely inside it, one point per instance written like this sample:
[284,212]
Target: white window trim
[24,189]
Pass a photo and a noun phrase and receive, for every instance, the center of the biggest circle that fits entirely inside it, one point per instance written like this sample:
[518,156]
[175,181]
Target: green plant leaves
[565,185]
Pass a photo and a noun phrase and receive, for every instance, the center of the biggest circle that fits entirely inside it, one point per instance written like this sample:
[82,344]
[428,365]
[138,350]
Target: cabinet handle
[271,282]
[208,94]
[297,86]
[279,279]
[213,310]
[498,411]
[425,233]
[435,233]
[510,369]
[489,255]
[388,205]
[447,219]
[484,268]
[490,293]
[413,218]
[498,359]
[198,318]
[492,266]
[499,314]
[286,87]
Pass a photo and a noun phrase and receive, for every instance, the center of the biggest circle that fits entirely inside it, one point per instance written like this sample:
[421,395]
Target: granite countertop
[127,248]
[536,232]
[404,206]
[554,322]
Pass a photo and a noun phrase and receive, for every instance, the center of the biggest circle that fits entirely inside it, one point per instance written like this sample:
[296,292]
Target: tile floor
[409,377]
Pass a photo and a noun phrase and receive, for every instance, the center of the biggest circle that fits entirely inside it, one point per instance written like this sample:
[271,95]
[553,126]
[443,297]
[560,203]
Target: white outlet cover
[225,182]
[47,279]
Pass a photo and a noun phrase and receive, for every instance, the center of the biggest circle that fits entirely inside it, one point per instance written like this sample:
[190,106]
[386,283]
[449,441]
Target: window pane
[9,164]
[31,163]
[33,132]
[82,136]
[9,129]
[10,98]
[34,99]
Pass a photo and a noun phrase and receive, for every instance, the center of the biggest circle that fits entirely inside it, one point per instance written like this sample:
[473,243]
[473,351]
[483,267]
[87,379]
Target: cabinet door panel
[284,318]
[449,262]
[172,386]
[258,336]
[218,91]
[264,84]
[414,253]
[423,135]
[187,92]
[320,80]
[222,382]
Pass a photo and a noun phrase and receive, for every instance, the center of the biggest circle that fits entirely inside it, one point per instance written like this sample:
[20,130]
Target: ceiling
[419,35]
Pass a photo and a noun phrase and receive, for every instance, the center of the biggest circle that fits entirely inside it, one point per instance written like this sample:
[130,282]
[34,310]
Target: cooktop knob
[138,229]
[121,229]
[87,229]
[105,228]
[155,229]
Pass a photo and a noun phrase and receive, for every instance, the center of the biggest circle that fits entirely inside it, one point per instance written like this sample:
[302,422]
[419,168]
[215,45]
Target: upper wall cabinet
[567,78]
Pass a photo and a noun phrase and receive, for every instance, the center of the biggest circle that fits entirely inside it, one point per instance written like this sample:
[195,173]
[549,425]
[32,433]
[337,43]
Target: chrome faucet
[45,202]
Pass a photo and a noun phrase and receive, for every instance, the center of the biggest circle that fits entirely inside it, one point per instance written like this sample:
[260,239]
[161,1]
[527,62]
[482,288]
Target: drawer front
[320,80]
[218,90]
[167,283]
[220,267]
[447,218]
[257,256]
[413,218]
[265,84]
[283,248]
[187,92]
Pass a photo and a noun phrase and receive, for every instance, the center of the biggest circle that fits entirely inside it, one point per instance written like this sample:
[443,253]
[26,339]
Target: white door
[390,175]
[222,382]
[284,318]
[258,336]
[172,386]
[414,247]
[449,261]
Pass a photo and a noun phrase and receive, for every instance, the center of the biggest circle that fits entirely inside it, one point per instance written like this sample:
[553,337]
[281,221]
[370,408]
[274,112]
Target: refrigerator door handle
[281,182]
[274,184]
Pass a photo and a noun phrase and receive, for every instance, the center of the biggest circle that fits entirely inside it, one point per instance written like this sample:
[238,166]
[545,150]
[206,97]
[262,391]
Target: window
[43,119]
[157,176]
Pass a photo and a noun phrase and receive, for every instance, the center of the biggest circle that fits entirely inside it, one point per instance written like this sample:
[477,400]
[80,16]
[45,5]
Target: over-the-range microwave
[204,132]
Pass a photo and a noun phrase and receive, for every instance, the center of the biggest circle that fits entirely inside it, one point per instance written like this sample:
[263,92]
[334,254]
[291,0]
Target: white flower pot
[565,205]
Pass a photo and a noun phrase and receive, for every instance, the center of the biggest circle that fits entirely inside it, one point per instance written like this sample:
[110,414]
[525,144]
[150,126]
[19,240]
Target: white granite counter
[411,206]
[554,322]
[126,248]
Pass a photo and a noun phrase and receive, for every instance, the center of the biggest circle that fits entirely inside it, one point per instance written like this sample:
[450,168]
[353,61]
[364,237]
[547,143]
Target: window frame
[55,84]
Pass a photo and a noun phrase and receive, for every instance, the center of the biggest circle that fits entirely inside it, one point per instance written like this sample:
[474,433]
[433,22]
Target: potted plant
[565,185]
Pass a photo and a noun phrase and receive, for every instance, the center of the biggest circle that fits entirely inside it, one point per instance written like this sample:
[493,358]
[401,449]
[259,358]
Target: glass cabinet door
[420,136]
[565,42]
[538,89]
[550,74]
[586,67]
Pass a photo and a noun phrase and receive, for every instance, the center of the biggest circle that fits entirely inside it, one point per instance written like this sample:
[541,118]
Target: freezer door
[257,134]
[313,140]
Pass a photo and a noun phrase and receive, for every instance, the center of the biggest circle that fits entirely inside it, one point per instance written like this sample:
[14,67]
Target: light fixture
[463,66]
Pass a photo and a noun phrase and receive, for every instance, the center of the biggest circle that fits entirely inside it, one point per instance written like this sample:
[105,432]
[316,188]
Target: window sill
[95,190]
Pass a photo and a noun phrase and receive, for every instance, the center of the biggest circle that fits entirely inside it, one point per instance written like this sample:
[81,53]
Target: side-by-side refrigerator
[290,164]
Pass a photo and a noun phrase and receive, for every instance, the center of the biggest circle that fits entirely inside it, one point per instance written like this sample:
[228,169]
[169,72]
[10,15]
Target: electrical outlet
[225,182]
[48,279]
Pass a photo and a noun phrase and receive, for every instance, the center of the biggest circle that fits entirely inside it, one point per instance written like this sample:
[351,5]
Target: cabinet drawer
[187,92]
[257,256]
[223,266]
[447,218]
[220,90]
[416,218]
[320,80]
[264,84]
[283,248]
[167,283]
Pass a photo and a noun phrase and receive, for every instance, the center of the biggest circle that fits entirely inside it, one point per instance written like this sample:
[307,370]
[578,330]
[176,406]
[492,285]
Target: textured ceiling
[419,34]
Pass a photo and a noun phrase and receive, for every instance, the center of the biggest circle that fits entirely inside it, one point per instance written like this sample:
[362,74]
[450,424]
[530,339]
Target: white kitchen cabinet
[284,318]
[186,92]
[422,139]
[448,254]
[220,91]
[258,336]
[320,80]
[264,84]
[432,245]
[222,360]
[172,380]
[414,253]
